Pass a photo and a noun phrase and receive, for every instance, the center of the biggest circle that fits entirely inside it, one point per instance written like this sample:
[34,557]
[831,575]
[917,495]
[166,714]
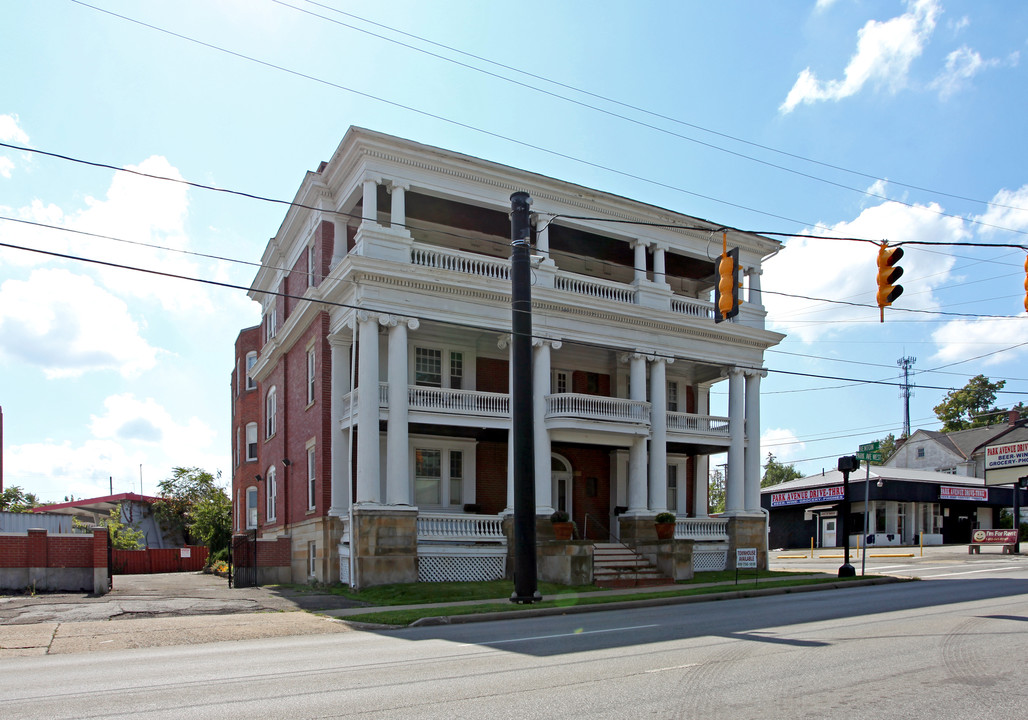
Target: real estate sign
[802,497]
[1004,464]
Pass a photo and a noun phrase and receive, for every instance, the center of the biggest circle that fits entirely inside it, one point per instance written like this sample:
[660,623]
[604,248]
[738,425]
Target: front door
[560,477]
[828,532]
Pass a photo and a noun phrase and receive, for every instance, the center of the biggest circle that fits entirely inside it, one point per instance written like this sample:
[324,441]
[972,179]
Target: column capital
[371,177]
[733,371]
[634,355]
[755,372]
[660,358]
[394,320]
[503,341]
[754,271]
[635,242]
[553,343]
[397,185]
[338,339]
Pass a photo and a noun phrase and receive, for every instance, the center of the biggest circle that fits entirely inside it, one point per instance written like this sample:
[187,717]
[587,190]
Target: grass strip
[402,618]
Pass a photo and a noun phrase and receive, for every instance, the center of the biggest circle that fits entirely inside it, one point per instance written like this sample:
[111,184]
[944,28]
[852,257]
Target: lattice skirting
[461,568]
[709,560]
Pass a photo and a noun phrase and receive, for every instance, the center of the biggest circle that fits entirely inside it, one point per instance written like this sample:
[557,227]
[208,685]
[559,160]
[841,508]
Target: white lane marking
[560,635]
[972,572]
[674,667]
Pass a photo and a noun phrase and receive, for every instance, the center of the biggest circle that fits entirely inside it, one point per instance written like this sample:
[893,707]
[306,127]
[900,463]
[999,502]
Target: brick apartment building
[371,407]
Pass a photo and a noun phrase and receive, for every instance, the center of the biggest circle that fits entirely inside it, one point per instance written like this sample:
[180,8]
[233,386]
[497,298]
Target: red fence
[142,562]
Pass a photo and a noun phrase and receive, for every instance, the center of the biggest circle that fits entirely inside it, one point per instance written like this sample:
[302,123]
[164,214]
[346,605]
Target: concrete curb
[629,604]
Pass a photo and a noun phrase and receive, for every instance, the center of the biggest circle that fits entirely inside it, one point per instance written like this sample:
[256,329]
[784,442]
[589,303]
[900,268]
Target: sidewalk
[187,608]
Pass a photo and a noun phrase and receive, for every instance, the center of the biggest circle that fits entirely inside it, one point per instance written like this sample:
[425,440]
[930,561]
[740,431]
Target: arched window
[271,412]
[271,511]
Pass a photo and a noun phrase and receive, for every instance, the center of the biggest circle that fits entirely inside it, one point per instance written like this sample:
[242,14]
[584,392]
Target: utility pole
[522,431]
[906,363]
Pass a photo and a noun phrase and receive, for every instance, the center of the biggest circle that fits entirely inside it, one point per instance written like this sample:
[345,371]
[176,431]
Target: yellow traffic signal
[726,292]
[888,274]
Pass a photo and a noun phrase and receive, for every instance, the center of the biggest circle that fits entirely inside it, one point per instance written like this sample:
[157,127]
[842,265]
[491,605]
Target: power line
[321,301]
[489,133]
[613,101]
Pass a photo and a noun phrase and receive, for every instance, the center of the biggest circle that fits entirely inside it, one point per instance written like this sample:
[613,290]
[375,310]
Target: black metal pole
[1017,517]
[847,464]
[522,433]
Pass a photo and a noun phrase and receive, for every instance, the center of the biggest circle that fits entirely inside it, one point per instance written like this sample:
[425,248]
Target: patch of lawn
[401,618]
[441,592]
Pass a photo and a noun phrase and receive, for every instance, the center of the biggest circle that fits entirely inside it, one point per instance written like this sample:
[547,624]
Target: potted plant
[563,528]
[665,524]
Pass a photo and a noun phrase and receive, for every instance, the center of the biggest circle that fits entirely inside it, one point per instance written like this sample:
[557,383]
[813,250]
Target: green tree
[971,406]
[716,491]
[776,472]
[123,536]
[886,446]
[14,499]
[193,506]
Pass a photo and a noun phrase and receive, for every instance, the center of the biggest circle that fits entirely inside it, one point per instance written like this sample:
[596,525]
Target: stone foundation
[672,557]
[567,562]
[747,532]
[637,529]
[385,546]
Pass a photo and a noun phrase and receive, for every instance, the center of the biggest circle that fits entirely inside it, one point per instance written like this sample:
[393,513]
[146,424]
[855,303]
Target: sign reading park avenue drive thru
[799,497]
[1004,464]
[947,492]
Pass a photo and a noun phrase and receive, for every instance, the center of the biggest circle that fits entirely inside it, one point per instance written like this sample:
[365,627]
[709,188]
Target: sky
[878,120]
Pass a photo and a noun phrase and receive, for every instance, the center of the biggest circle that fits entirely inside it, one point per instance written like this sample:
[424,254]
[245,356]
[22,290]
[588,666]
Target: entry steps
[618,566]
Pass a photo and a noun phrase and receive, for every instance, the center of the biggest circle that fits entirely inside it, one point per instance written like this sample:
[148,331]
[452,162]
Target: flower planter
[563,530]
[665,531]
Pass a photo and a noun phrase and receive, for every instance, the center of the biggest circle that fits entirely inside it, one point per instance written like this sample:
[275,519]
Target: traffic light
[726,292]
[1026,284]
[888,274]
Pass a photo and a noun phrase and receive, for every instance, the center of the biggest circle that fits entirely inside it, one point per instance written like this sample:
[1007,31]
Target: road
[943,649]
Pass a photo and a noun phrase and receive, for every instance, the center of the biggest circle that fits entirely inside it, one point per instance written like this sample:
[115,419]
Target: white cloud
[10,132]
[845,270]
[961,65]
[965,339]
[1006,211]
[130,433]
[68,326]
[883,56]
[781,443]
[130,420]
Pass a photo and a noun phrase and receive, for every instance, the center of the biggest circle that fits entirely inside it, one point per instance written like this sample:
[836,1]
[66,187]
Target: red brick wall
[491,477]
[492,375]
[247,407]
[270,553]
[37,549]
[580,383]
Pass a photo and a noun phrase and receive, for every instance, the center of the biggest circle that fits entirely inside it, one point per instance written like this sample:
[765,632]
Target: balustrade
[597,407]
[702,529]
[451,527]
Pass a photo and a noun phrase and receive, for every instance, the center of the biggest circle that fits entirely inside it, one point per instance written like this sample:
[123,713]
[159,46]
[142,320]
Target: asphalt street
[943,649]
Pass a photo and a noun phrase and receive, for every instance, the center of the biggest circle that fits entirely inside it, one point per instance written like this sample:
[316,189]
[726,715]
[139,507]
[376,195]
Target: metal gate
[243,561]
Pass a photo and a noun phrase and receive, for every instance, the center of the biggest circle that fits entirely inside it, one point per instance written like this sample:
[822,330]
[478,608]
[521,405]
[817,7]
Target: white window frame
[271,323]
[312,556]
[251,360]
[312,476]
[311,376]
[271,495]
[271,412]
[674,398]
[310,265]
[446,353]
[467,482]
[559,378]
[680,463]
[251,508]
[251,444]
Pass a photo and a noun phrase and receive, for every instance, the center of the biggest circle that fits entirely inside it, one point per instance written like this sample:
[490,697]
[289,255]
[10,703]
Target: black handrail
[640,561]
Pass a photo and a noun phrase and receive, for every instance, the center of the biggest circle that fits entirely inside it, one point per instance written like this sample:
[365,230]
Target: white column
[753,441]
[540,389]
[658,435]
[734,490]
[398,486]
[542,236]
[370,196]
[755,298]
[640,259]
[398,207]
[368,449]
[701,488]
[659,272]
[637,486]
[340,470]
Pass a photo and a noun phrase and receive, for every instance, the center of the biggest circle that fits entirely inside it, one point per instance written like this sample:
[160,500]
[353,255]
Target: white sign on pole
[745,558]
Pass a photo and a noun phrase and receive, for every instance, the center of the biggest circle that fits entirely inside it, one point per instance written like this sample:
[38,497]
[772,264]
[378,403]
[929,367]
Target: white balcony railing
[462,262]
[593,287]
[451,527]
[702,529]
[692,307]
[597,407]
[697,424]
[462,402]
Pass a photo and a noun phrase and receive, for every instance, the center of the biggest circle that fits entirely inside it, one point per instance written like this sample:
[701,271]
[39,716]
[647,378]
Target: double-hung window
[311,475]
[251,508]
[672,396]
[439,368]
[443,473]
[251,360]
[251,442]
[271,410]
[310,376]
[271,512]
